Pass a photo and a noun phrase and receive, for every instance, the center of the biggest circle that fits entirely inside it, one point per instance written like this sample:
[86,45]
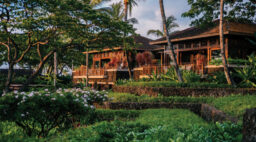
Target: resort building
[195,48]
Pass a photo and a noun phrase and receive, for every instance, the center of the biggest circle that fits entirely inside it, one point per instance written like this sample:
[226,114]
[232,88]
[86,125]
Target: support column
[178,57]
[87,68]
[161,59]
[226,47]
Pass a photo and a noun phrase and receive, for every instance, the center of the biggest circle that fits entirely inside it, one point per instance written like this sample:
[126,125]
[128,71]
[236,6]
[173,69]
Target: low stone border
[171,91]
[210,113]
[205,111]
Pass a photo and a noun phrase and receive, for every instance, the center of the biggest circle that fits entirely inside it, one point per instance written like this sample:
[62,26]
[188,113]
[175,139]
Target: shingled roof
[145,43]
[195,32]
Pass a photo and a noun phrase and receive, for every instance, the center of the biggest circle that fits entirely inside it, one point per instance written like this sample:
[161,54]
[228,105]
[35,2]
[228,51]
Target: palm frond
[156,33]
[133,21]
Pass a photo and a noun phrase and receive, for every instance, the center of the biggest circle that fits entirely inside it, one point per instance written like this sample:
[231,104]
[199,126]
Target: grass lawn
[234,105]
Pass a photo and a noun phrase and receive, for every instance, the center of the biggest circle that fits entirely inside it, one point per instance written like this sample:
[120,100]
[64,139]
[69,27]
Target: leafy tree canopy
[70,25]
[203,12]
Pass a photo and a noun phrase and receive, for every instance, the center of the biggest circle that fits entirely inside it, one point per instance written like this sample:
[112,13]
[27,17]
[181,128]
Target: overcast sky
[148,14]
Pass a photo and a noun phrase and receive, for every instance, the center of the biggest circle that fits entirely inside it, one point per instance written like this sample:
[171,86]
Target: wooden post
[161,59]
[226,48]
[87,68]
[178,57]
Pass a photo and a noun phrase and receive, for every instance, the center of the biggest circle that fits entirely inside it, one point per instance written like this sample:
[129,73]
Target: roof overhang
[200,36]
[103,50]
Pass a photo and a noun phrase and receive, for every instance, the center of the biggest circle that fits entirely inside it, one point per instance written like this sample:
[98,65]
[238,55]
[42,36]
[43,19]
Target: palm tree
[169,46]
[128,4]
[116,12]
[224,60]
[170,25]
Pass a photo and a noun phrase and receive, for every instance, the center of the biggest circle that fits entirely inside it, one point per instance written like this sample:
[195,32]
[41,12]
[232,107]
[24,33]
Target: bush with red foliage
[144,58]
[139,59]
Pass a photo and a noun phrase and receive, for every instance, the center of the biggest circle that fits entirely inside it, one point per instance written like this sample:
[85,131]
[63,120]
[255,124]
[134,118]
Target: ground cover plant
[154,125]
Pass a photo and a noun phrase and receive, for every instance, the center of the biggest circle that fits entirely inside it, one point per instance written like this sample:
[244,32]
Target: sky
[148,14]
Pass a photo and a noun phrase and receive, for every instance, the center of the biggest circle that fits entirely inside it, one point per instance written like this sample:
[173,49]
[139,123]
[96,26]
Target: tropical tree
[169,45]
[116,12]
[223,55]
[203,12]
[170,23]
[43,25]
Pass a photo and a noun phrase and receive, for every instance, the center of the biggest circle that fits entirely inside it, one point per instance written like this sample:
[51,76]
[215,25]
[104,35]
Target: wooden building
[196,47]
[110,64]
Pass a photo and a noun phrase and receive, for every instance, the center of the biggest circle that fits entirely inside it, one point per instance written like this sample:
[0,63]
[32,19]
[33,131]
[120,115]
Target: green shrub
[37,113]
[230,61]
[170,74]
[176,84]
[103,132]
[190,76]
[220,132]
[247,74]
[218,78]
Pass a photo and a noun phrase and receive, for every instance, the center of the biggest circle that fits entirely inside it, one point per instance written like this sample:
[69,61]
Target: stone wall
[171,91]
[249,126]
[210,113]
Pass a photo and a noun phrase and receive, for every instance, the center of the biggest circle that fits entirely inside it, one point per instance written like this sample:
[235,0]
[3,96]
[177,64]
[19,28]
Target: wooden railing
[91,72]
[148,70]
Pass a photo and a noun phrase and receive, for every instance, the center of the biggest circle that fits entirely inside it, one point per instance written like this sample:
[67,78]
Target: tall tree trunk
[125,10]
[9,77]
[126,50]
[40,66]
[55,69]
[169,45]
[223,55]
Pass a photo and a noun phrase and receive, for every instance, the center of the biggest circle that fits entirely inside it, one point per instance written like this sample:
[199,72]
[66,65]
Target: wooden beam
[104,50]
[226,47]
[161,59]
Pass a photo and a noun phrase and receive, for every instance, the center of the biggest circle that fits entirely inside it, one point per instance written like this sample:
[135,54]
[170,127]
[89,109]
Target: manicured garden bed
[146,125]
[234,105]
[154,89]
[113,125]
